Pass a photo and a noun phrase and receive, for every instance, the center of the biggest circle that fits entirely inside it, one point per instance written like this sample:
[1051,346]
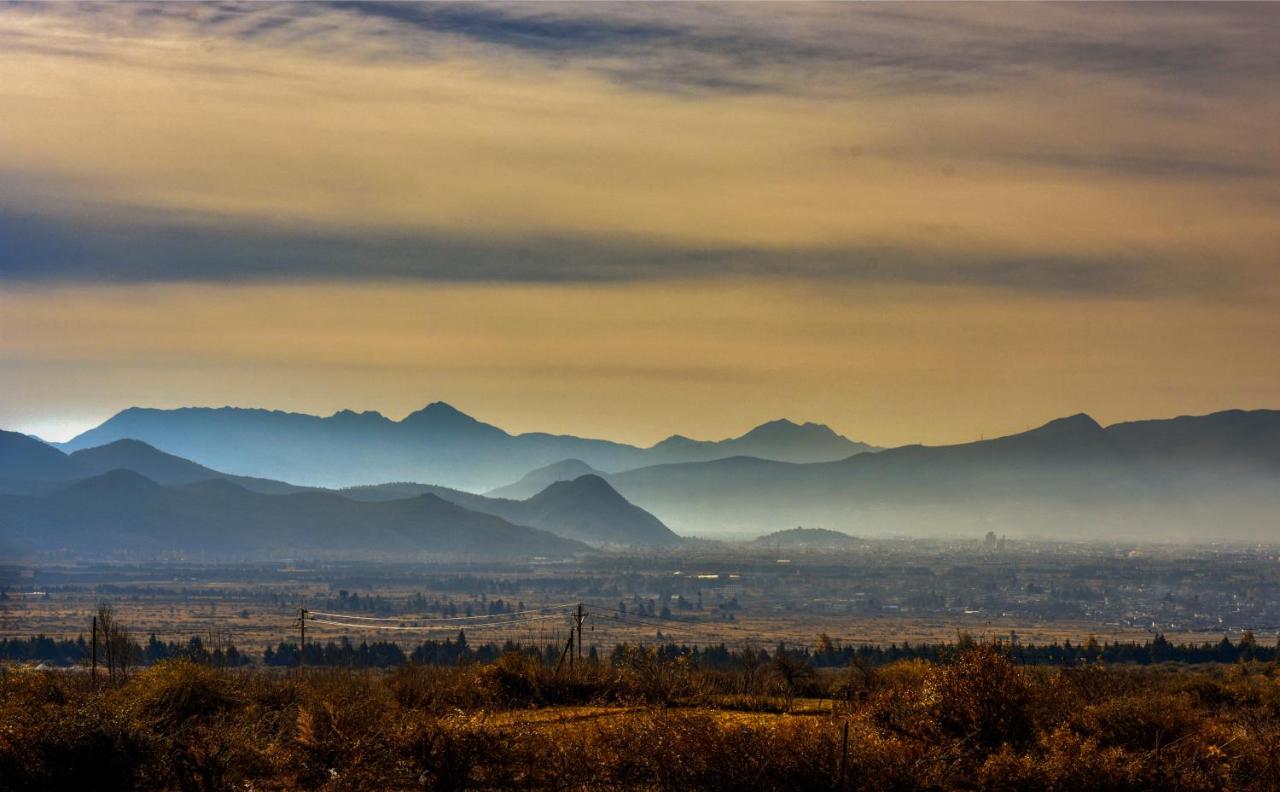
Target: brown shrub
[59,731]
[1141,722]
[980,699]
[977,722]
[443,755]
[342,735]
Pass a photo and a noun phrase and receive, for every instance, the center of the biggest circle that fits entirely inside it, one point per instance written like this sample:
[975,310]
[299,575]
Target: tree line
[218,650]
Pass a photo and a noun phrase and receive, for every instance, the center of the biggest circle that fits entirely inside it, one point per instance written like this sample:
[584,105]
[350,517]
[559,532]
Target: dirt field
[253,626]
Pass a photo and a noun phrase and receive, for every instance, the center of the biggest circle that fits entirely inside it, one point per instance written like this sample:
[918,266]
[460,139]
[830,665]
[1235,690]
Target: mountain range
[1206,478]
[123,513]
[1195,477]
[437,444]
[127,496]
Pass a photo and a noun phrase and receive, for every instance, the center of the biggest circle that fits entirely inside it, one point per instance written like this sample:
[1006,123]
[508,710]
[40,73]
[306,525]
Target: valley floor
[879,592]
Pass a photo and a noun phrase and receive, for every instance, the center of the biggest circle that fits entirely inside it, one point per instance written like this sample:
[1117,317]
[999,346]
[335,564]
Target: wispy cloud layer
[1060,148]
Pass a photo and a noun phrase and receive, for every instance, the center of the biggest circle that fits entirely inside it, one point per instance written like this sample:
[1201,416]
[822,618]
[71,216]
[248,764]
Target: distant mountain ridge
[1193,477]
[167,469]
[123,513]
[1212,477]
[780,440]
[24,457]
[587,509]
[438,443]
[536,481]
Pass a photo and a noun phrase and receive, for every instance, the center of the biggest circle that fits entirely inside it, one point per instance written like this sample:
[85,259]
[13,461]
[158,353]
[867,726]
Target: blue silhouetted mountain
[124,514]
[166,469]
[1214,476]
[590,510]
[1223,441]
[438,444]
[587,509]
[1195,477]
[536,481]
[26,458]
[781,440]
[446,421]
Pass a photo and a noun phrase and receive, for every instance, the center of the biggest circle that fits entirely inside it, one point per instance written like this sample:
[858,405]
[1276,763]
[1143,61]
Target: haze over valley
[234,482]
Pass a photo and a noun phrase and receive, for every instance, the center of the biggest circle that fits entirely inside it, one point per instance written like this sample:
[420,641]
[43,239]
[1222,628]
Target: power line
[422,627]
[435,618]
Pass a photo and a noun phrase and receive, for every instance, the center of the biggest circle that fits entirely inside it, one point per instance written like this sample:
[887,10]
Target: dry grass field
[883,593]
[255,617]
[977,721]
[254,628]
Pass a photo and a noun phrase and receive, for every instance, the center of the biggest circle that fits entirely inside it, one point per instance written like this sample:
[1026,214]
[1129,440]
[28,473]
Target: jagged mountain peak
[675,441]
[588,484]
[437,410]
[441,415]
[1071,426]
[786,427]
[590,509]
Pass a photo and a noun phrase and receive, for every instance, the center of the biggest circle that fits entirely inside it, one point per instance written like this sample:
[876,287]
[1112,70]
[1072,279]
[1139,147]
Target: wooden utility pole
[577,618]
[93,652]
[302,637]
[566,652]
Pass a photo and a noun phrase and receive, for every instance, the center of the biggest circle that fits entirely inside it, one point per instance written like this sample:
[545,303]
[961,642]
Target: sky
[913,222]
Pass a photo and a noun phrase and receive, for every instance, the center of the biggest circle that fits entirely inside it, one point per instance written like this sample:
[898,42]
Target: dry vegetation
[978,722]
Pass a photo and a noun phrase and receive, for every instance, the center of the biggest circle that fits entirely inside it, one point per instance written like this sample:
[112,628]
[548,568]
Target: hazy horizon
[914,223]
[69,430]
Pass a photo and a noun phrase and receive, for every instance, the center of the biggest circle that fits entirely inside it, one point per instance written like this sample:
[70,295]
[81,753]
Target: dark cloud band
[773,47]
[37,250]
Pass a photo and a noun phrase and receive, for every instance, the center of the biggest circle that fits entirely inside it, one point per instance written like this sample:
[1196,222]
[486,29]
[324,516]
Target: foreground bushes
[980,721]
